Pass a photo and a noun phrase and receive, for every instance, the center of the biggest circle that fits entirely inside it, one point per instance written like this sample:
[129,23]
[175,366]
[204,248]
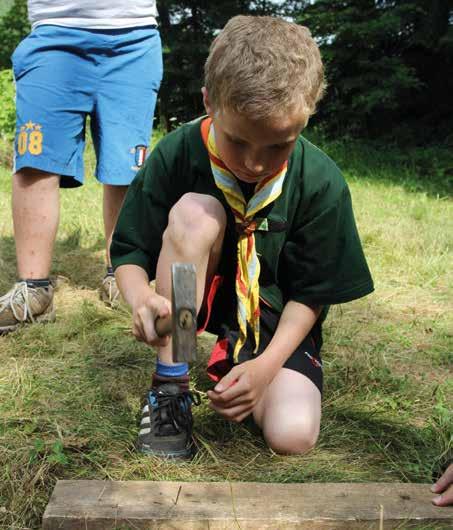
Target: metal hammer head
[182,323]
[184,312]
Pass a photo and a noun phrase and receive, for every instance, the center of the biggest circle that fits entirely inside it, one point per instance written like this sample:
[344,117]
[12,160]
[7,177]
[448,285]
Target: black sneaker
[166,425]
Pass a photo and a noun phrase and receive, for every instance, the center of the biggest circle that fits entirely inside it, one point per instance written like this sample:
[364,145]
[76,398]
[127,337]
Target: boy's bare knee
[293,439]
[196,219]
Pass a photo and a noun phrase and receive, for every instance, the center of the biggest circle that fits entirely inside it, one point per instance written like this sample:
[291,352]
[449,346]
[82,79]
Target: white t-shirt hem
[97,23]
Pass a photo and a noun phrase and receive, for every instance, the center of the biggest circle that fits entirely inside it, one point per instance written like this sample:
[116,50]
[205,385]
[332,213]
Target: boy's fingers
[446,499]
[219,402]
[148,326]
[159,308]
[238,388]
[154,307]
[137,330]
[228,380]
[233,414]
[148,332]
[444,481]
[159,305]
[244,415]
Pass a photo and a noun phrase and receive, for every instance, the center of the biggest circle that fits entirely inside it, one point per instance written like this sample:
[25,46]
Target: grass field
[70,392]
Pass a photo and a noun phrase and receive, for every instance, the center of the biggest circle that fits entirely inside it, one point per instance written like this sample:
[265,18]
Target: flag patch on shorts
[140,152]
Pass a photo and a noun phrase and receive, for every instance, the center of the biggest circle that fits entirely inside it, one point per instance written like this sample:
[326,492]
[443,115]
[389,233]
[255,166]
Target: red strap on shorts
[207,306]
[218,364]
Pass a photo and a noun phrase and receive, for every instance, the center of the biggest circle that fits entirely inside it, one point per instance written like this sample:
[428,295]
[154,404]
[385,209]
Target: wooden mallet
[182,323]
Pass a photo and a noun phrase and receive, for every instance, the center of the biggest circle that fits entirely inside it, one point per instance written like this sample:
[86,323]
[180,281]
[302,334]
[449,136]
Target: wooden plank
[101,505]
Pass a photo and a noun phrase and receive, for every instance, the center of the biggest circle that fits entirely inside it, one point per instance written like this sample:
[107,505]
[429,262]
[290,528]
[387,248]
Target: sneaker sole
[185,454]
[47,318]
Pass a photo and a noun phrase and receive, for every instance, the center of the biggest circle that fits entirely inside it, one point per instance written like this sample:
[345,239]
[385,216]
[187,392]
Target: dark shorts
[306,359]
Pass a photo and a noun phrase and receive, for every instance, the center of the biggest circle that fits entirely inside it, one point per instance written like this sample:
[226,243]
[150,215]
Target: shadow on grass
[82,266]
[403,450]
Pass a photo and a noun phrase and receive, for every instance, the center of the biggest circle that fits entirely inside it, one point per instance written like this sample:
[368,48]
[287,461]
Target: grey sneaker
[109,292]
[26,305]
[166,425]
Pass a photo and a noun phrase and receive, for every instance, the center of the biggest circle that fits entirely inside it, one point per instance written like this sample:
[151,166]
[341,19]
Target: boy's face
[254,149]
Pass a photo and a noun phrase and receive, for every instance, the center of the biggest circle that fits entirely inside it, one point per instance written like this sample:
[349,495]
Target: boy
[267,220]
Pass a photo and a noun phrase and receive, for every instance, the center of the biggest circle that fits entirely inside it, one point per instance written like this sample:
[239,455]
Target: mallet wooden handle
[163,325]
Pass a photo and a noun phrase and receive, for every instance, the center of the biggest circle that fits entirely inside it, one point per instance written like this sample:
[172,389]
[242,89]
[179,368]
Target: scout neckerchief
[248,271]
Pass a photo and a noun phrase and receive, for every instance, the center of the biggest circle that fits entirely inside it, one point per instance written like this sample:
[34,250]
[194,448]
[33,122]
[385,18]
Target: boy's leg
[194,234]
[121,122]
[36,209]
[195,231]
[113,198]
[51,102]
[289,413]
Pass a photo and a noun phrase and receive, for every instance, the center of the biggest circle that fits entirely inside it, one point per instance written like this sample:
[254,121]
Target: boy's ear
[206,103]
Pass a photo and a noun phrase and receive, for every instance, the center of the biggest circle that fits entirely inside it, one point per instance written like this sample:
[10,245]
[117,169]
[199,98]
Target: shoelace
[111,282]
[18,295]
[171,410]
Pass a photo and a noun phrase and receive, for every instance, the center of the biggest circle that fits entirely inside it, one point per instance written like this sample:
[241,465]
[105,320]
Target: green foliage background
[389,64]
[13,28]
[7,107]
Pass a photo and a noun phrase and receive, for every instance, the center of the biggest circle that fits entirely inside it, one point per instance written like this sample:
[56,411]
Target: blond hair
[262,66]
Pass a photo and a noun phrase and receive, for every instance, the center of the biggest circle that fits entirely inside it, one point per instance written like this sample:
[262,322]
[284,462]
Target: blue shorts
[64,75]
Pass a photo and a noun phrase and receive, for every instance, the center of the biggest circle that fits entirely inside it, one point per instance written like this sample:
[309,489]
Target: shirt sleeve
[137,238]
[323,260]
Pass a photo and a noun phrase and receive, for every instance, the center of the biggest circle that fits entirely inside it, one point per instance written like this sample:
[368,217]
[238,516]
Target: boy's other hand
[445,486]
[145,310]
[236,395]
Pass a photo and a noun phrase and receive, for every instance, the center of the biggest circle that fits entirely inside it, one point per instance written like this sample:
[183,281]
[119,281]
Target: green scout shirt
[308,247]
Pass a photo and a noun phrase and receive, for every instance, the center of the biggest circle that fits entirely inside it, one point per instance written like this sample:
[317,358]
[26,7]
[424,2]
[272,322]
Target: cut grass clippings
[70,392]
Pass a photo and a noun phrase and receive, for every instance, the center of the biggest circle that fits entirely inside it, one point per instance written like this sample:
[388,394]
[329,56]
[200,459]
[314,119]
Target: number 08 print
[30,139]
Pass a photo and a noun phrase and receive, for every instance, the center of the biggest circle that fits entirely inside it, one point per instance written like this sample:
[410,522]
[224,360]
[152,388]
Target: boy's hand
[146,308]
[445,486]
[236,395]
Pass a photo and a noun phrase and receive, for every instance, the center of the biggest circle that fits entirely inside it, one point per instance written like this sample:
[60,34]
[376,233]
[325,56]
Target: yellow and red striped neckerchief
[248,271]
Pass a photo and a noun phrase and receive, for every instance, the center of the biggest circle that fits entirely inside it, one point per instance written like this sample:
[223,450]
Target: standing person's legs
[36,210]
[129,79]
[113,197]
[52,99]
